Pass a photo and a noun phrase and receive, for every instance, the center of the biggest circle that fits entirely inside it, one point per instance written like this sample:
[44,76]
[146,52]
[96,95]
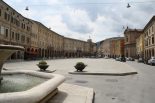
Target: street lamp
[128,6]
[27,8]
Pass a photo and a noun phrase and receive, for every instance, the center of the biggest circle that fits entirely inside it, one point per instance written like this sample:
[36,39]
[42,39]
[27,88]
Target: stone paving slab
[69,93]
[109,67]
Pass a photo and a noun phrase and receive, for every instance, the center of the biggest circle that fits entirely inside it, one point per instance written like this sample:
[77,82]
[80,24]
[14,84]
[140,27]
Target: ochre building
[130,41]
[111,47]
[140,46]
[14,29]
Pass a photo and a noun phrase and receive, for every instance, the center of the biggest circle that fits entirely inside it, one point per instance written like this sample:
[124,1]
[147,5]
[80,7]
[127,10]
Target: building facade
[14,29]
[104,48]
[117,47]
[130,41]
[140,46]
[38,40]
[149,36]
[77,48]
[50,44]
[112,47]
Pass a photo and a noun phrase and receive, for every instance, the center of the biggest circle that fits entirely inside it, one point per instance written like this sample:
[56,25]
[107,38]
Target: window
[126,39]
[17,23]
[153,40]
[8,17]
[5,16]
[0,12]
[149,42]
[2,30]
[7,9]
[17,36]
[22,38]
[11,19]
[146,43]
[28,40]
[27,28]
[6,33]
[24,26]
[12,35]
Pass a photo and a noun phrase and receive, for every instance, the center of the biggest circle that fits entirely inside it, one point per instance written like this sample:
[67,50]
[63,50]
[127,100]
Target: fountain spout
[5,52]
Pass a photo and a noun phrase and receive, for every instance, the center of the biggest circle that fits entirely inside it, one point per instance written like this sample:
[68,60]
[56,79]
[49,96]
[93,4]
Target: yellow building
[76,48]
[140,46]
[111,47]
[130,41]
[118,47]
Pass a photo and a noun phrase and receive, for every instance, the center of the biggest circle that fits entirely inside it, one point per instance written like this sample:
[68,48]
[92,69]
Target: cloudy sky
[81,19]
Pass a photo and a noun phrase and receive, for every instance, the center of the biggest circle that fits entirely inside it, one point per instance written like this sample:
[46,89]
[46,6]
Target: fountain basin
[36,94]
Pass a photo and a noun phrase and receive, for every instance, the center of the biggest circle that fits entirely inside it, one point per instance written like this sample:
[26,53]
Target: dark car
[123,59]
[131,59]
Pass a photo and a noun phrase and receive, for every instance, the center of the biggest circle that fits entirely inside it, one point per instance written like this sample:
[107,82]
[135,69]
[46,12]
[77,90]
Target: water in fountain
[16,82]
[20,82]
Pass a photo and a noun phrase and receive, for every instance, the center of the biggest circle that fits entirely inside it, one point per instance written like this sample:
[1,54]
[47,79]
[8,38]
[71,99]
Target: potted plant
[80,66]
[42,65]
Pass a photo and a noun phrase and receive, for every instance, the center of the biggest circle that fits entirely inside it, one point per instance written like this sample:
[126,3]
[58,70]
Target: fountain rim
[11,47]
[35,94]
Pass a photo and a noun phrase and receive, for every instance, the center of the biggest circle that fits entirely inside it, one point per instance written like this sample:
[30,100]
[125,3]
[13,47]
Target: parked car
[92,57]
[140,60]
[146,61]
[118,59]
[130,59]
[106,57]
[127,59]
[123,59]
[151,61]
[99,56]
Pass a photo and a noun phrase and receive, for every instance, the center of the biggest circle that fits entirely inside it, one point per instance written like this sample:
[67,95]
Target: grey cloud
[80,28]
[117,15]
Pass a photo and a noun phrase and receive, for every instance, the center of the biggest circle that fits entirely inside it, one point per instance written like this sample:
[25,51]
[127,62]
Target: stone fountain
[39,93]
[5,52]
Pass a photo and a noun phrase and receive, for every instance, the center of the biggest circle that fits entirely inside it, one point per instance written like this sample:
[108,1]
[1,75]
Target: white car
[130,59]
[106,57]
[118,59]
[151,61]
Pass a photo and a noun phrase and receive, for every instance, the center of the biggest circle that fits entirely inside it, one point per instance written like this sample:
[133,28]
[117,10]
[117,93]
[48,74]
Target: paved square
[63,66]
[139,88]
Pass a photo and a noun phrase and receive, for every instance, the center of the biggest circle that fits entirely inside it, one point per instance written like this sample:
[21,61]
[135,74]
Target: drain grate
[81,81]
